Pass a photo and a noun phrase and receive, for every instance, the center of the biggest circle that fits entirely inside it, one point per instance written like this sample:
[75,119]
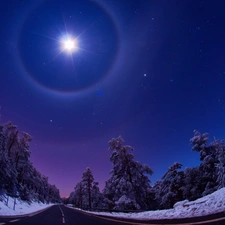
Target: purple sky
[151,71]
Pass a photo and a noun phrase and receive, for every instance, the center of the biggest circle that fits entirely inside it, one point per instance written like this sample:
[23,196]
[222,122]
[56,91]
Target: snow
[209,204]
[21,207]
[206,205]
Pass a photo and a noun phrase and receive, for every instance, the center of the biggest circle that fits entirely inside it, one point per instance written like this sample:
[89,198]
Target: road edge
[25,215]
[174,221]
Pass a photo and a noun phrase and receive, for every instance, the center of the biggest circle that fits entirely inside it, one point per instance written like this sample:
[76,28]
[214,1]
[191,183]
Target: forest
[128,187]
[18,177]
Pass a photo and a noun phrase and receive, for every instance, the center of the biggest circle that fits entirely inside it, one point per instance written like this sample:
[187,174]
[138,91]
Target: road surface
[57,215]
[61,215]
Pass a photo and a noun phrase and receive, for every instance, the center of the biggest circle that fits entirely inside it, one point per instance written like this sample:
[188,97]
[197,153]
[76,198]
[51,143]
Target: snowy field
[209,204]
[20,208]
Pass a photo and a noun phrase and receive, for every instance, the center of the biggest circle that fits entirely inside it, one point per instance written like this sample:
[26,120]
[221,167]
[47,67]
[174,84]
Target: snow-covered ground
[20,207]
[209,204]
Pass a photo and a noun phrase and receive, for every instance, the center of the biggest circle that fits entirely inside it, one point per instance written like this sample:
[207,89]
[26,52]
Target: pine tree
[170,190]
[86,193]
[97,197]
[208,156]
[127,187]
[219,162]
[18,177]
[71,198]
[193,187]
[87,182]
[199,143]
[5,170]
[78,195]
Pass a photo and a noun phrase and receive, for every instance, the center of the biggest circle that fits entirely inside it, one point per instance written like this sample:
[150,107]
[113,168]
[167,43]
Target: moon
[70,45]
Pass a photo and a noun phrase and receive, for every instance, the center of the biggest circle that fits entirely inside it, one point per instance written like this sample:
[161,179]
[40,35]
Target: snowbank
[209,204]
[20,207]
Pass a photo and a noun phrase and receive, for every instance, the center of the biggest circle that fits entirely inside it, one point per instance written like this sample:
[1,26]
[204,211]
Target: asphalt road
[61,215]
[58,215]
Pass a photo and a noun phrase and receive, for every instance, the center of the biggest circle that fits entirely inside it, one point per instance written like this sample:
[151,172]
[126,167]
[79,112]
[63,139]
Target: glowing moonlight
[70,45]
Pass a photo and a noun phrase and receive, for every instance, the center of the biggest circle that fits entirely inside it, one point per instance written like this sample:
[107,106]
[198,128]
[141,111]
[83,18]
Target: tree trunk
[7,201]
[14,206]
[14,138]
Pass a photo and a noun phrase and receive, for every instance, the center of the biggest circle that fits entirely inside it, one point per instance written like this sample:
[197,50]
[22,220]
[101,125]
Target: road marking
[63,219]
[60,209]
[12,221]
[148,223]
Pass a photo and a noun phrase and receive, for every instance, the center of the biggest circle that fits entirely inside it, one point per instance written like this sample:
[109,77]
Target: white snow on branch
[206,205]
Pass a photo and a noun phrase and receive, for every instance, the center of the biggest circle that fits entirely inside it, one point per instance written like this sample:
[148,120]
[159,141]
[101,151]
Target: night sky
[150,71]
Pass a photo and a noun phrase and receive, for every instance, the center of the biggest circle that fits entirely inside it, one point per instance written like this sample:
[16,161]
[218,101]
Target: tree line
[129,186]
[18,177]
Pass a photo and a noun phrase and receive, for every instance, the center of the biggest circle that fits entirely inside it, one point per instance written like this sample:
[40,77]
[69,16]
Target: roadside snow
[21,207]
[206,205]
[209,204]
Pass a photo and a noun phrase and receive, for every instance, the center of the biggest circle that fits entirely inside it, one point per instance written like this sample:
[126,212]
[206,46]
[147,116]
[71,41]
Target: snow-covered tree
[97,199]
[154,196]
[192,186]
[86,193]
[199,143]
[219,162]
[87,182]
[78,195]
[18,177]
[8,142]
[170,188]
[129,182]
[70,199]
[208,157]
[7,176]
